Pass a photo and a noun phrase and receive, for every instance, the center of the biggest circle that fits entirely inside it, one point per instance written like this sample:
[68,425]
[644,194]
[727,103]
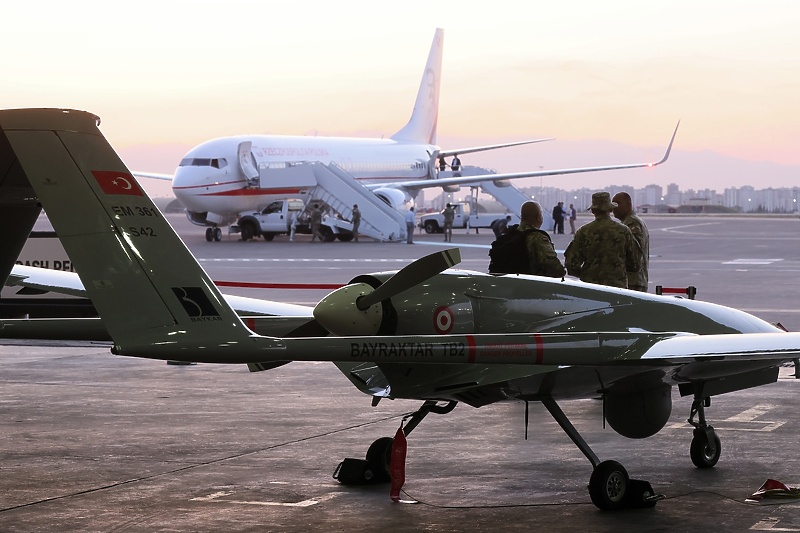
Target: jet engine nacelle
[394,197]
[639,413]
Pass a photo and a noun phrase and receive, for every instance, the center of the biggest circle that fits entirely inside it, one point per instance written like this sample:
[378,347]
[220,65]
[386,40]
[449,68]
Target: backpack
[509,253]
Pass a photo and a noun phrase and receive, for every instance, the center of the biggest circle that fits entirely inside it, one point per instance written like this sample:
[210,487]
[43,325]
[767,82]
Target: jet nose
[186,177]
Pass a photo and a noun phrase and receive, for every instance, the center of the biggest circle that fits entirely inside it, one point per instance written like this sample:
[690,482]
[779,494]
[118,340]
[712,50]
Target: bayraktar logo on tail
[196,304]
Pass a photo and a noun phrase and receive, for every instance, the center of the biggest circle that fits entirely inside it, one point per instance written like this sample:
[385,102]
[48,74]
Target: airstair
[512,199]
[340,190]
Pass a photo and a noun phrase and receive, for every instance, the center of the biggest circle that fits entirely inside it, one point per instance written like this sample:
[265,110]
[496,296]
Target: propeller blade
[420,270]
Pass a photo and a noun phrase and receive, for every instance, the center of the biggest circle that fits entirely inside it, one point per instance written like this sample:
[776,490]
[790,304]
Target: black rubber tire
[431,227]
[327,234]
[701,454]
[608,486]
[345,237]
[209,234]
[247,231]
[268,236]
[217,234]
[379,455]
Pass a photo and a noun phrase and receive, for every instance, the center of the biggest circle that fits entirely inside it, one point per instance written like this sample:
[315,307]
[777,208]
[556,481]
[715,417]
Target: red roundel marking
[443,320]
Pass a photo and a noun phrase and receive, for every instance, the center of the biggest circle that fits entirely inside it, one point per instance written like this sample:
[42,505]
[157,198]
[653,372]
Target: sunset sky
[167,75]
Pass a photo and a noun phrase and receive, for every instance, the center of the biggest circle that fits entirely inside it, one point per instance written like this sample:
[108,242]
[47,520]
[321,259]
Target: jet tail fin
[421,128]
[152,294]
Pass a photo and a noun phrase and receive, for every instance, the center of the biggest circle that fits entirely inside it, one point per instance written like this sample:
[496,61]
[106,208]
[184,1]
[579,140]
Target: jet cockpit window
[204,162]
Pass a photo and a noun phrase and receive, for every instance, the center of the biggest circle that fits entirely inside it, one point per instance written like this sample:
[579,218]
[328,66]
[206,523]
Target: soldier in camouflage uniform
[449,215]
[637,281]
[544,261]
[603,251]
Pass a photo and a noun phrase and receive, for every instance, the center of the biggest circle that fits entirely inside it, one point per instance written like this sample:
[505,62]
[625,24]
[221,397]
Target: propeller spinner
[355,309]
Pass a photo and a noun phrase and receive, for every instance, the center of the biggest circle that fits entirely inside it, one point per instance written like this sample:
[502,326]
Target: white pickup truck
[434,222]
[275,219]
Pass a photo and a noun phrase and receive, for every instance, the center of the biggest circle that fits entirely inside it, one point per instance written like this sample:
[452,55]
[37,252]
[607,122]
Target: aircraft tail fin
[421,127]
[154,298]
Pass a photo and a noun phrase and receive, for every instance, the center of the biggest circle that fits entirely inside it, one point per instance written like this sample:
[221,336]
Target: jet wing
[467,180]
[473,149]
[153,175]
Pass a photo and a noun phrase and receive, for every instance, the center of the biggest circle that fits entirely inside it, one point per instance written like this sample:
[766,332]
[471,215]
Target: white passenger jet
[223,177]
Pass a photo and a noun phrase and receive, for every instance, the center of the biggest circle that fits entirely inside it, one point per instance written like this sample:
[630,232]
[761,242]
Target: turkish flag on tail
[114,182]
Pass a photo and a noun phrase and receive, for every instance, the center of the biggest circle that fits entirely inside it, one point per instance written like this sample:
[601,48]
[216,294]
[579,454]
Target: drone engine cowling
[639,413]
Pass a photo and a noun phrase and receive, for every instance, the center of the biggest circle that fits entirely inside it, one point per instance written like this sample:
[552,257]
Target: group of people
[603,251]
[455,165]
[560,213]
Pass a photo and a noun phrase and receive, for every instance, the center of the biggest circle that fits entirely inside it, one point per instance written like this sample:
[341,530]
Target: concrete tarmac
[95,442]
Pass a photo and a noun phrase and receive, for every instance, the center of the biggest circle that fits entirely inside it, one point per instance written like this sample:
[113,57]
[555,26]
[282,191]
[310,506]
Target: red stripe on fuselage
[539,348]
[471,349]
[216,184]
[255,192]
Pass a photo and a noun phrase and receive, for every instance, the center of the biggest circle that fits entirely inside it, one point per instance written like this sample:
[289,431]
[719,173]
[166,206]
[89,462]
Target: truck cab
[274,219]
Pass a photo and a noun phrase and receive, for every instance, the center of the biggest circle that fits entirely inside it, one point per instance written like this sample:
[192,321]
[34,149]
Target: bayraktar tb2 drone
[421,333]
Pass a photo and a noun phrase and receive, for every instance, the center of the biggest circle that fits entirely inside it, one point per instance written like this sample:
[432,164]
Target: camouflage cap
[602,201]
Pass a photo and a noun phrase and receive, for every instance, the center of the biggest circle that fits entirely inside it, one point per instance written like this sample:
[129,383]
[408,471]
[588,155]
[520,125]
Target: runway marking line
[748,416]
[768,524]
[217,497]
[751,261]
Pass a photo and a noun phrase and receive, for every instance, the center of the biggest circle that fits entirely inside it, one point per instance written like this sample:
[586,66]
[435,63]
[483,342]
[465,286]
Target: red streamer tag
[397,466]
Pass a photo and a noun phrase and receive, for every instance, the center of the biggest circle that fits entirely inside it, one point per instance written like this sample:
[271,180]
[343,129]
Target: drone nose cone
[338,313]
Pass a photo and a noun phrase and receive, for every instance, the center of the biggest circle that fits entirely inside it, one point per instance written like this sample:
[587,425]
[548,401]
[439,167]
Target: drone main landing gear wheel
[706,447]
[379,455]
[608,485]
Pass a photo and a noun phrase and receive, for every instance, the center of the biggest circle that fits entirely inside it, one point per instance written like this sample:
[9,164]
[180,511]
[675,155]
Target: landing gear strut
[379,454]
[610,487]
[705,449]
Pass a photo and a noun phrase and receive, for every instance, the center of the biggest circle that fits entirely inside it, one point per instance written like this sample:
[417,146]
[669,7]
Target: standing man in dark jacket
[543,258]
